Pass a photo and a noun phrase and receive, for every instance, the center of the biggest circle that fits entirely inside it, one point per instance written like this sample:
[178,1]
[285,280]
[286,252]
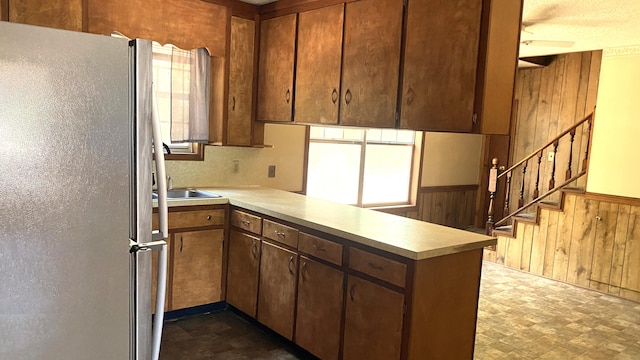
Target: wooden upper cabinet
[371,62]
[275,71]
[440,62]
[59,14]
[497,65]
[318,65]
[241,55]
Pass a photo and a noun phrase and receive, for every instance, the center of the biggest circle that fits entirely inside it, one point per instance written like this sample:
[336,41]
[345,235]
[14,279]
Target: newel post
[493,187]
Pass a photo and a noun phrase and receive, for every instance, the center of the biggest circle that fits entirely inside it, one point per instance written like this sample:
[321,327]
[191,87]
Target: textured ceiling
[591,24]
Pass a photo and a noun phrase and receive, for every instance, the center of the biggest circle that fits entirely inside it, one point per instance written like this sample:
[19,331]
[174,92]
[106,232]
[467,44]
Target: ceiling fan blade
[548,43]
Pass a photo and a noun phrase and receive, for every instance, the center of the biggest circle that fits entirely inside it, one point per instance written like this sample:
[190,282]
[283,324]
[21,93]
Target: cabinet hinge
[474,118]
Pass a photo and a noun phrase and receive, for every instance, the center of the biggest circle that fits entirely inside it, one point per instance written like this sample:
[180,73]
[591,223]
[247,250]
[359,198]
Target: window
[363,167]
[181,84]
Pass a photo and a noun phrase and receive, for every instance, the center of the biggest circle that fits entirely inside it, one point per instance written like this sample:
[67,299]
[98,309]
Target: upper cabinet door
[371,61]
[241,55]
[441,54]
[275,72]
[318,65]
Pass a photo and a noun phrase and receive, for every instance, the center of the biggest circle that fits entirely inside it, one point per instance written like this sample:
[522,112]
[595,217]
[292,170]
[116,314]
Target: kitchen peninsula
[344,282]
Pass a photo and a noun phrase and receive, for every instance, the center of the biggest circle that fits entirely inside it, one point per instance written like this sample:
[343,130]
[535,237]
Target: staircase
[529,193]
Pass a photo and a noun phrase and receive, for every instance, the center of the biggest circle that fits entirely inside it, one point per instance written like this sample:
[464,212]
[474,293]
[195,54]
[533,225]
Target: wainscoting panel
[591,243]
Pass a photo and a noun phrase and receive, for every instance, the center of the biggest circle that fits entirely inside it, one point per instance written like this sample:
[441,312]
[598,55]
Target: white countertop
[406,237]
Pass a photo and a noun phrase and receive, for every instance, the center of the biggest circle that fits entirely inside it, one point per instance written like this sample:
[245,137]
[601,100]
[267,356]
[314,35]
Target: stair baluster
[493,187]
[507,191]
[524,174]
[552,181]
[536,191]
[573,135]
[586,149]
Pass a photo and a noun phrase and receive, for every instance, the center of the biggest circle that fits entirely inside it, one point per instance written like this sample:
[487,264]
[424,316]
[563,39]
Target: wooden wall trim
[449,188]
[621,200]
[4,10]
[238,8]
[285,7]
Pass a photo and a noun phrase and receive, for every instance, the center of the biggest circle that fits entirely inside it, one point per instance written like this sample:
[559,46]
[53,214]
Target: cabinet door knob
[292,271]
[233,103]
[246,222]
[208,217]
[352,292]
[281,234]
[180,243]
[347,97]
[287,96]
[334,95]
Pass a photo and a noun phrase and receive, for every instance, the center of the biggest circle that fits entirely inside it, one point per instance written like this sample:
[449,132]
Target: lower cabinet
[373,321]
[243,264]
[319,311]
[197,268]
[277,295]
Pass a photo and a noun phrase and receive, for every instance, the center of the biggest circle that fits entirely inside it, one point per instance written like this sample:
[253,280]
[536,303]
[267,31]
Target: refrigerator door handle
[163,224]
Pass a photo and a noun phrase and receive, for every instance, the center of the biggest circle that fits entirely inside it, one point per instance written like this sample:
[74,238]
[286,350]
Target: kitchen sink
[187,194]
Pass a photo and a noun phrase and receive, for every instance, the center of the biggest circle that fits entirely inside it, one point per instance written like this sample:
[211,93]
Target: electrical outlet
[235,167]
[272,171]
[551,155]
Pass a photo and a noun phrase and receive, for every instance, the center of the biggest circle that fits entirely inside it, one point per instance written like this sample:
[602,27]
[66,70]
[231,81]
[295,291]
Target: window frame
[195,151]
[415,172]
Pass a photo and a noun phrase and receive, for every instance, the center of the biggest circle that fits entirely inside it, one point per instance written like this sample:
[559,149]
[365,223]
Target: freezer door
[65,145]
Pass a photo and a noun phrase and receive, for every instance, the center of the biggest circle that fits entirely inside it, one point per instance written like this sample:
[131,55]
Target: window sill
[197,156]
[395,209]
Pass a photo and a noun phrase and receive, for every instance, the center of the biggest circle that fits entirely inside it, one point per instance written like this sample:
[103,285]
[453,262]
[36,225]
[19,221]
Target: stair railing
[508,174]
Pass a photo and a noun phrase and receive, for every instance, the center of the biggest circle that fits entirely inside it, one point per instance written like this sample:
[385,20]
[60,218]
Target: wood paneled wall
[59,14]
[453,206]
[550,100]
[591,243]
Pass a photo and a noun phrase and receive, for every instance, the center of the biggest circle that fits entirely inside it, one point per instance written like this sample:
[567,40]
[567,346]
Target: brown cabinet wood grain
[197,268]
[373,321]
[275,71]
[371,63]
[243,265]
[440,61]
[241,55]
[319,310]
[318,64]
[277,295]
[59,14]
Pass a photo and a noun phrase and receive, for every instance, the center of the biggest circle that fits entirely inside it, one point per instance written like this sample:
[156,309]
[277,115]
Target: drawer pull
[316,248]
[292,271]
[281,234]
[374,266]
[352,292]
[181,244]
[246,222]
[208,217]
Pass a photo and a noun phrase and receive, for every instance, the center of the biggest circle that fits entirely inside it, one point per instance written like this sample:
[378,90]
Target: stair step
[504,228]
[574,189]
[527,218]
[549,204]
[506,231]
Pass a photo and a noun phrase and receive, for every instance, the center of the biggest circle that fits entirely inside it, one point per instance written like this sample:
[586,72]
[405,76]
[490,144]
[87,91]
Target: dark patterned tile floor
[520,316]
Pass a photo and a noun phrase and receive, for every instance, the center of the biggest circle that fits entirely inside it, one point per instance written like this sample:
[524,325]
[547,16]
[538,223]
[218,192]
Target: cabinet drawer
[280,233]
[377,266]
[191,219]
[320,248]
[245,221]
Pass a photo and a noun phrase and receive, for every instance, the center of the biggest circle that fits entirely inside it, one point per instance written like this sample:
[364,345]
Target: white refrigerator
[76,149]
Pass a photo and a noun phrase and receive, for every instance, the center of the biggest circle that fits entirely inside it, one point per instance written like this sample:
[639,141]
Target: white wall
[614,166]
[287,155]
[451,159]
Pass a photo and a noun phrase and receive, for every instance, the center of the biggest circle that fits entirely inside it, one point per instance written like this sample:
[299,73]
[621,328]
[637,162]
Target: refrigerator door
[65,176]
